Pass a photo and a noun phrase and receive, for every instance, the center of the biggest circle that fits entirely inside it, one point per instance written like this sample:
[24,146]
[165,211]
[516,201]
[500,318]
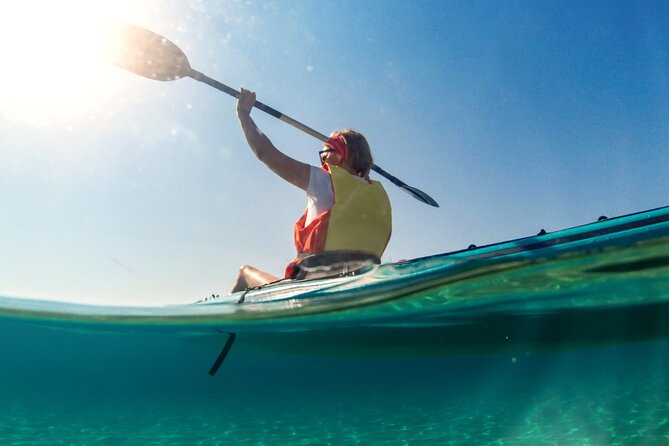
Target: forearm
[256,139]
[293,171]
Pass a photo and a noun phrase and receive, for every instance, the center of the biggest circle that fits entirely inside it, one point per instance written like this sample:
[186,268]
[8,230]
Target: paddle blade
[145,53]
[414,192]
[419,195]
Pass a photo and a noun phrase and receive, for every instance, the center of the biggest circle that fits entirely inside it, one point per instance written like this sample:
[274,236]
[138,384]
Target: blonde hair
[359,153]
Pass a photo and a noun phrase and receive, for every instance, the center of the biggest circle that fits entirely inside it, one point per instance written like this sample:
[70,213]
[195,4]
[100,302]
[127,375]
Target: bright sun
[52,69]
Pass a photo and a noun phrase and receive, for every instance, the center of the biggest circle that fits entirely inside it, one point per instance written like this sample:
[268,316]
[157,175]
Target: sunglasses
[322,153]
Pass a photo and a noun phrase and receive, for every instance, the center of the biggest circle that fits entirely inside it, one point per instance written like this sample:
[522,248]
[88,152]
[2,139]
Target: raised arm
[291,170]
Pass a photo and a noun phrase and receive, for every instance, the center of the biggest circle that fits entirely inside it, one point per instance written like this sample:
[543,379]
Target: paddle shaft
[416,193]
[259,105]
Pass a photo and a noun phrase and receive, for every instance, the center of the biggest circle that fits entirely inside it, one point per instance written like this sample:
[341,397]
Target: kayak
[607,280]
[601,251]
[545,265]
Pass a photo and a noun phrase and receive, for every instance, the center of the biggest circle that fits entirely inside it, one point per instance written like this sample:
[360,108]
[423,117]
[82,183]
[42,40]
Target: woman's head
[357,152]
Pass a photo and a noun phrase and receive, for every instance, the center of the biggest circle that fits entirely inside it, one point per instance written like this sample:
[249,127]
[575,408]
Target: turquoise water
[81,384]
[566,349]
[65,387]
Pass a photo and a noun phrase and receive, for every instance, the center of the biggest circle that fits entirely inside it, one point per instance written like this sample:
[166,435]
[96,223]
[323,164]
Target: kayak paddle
[151,55]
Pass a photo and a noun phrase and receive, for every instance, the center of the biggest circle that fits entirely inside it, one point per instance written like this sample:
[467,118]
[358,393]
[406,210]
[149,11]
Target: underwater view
[62,385]
[502,279]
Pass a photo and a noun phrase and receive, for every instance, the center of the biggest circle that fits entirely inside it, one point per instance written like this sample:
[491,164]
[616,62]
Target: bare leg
[250,276]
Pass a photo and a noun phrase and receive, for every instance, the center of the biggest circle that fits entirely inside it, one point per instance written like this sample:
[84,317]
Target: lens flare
[53,67]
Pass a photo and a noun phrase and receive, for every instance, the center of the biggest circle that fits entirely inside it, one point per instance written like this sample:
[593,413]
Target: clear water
[543,354]
[69,388]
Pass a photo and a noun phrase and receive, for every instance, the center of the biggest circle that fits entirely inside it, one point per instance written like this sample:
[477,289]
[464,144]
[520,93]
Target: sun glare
[52,68]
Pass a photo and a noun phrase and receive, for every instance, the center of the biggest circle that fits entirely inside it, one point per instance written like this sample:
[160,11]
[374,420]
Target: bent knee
[246,269]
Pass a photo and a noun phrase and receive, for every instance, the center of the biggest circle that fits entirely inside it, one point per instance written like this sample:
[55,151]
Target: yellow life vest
[359,221]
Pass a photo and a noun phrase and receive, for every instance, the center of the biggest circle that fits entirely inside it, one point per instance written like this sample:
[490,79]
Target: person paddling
[348,217]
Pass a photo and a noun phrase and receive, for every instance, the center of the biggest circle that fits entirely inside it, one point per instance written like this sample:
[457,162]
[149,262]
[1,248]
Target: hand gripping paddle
[151,55]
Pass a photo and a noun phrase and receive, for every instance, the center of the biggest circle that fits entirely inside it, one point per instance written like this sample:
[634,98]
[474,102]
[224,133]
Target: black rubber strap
[224,353]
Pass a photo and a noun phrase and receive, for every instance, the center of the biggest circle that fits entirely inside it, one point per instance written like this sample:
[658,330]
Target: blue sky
[514,116]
